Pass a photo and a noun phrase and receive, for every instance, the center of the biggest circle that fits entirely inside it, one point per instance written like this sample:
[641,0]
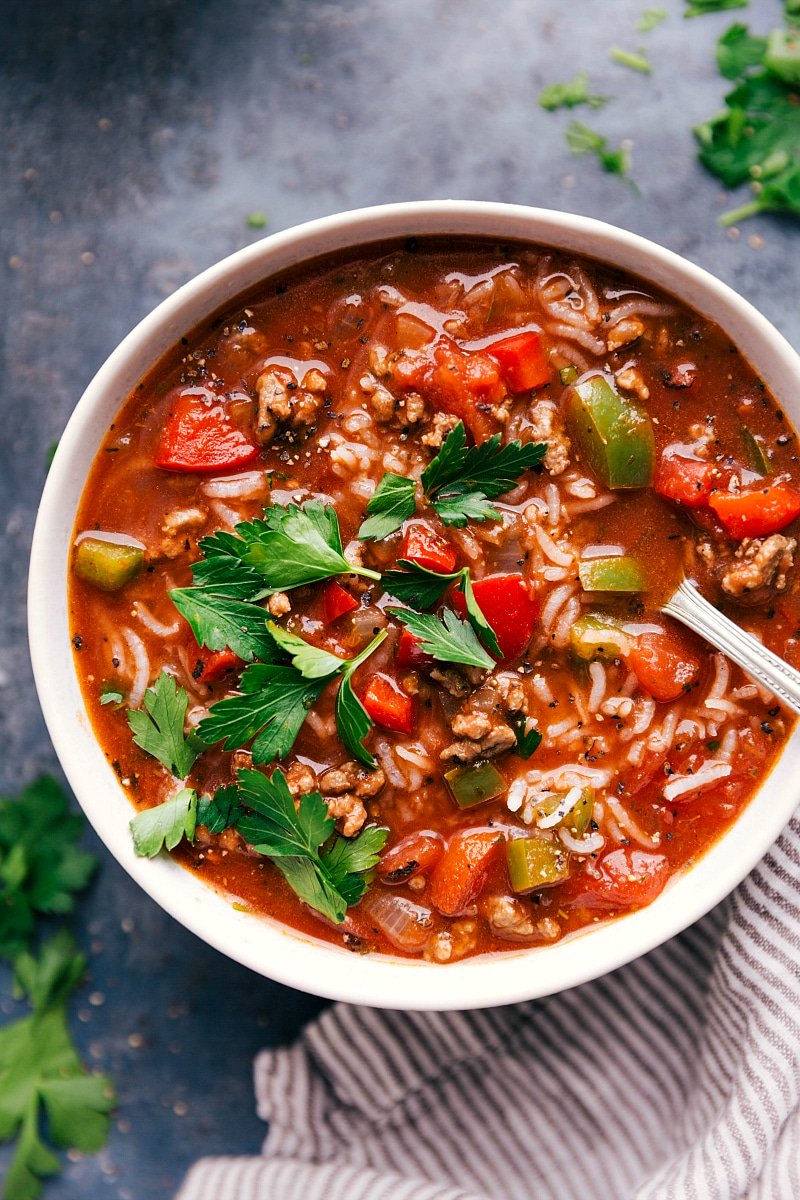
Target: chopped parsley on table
[45,1092]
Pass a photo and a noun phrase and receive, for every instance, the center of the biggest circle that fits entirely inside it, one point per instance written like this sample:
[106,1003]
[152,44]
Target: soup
[366,586]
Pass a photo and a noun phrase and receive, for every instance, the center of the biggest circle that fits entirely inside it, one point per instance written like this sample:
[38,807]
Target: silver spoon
[688,606]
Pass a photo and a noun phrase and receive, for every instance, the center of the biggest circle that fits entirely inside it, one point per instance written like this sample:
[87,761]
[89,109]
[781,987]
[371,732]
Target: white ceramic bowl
[261,944]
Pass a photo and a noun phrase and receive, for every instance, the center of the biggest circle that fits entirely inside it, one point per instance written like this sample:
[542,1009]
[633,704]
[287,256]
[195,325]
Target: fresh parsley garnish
[327,871]
[448,639]
[421,588]
[583,140]
[42,1077]
[570,94]
[626,58]
[165,825]
[220,622]
[220,811]
[528,740]
[699,8]
[392,503]
[461,480]
[756,139]
[352,720]
[290,547]
[271,706]
[110,695]
[41,865]
[158,727]
[739,51]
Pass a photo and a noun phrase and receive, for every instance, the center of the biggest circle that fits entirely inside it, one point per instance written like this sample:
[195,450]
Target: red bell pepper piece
[211,665]
[201,437]
[408,653]
[462,382]
[462,872]
[522,360]
[686,481]
[411,855]
[337,601]
[388,705]
[756,512]
[421,545]
[628,877]
[666,664]
[508,607]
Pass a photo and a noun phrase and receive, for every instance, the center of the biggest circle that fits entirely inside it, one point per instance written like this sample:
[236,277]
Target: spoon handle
[687,605]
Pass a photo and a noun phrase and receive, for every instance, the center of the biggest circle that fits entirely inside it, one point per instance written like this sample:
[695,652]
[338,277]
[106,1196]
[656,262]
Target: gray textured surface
[136,138]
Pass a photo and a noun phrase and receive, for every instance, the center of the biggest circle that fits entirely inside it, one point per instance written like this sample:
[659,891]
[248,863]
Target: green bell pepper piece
[576,821]
[622,574]
[594,636]
[107,565]
[475,783]
[535,863]
[613,436]
[568,375]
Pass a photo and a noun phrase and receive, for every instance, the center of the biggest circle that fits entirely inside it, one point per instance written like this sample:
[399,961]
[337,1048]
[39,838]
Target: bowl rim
[262,944]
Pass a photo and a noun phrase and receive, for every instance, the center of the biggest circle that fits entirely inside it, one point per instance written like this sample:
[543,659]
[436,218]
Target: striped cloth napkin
[676,1077]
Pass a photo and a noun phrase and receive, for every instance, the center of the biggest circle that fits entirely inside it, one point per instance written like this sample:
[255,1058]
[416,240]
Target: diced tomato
[666,663]
[462,872]
[686,481]
[422,545]
[199,436]
[508,607]
[522,360]
[336,601]
[408,653]
[211,665]
[756,512]
[410,856]
[464,383]
[628,877]
[387,703]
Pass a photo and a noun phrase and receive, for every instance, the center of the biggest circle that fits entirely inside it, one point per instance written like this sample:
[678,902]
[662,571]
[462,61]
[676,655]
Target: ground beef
[760,563]
[628,330]
[546,425]
[482,722]
[345,789]
[282,403]
[176,526]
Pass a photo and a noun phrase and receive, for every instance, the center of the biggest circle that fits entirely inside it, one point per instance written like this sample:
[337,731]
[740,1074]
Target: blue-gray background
[137,136]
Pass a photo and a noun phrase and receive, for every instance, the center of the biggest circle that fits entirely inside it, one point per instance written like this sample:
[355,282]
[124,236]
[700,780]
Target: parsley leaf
[353,722]
[757,138]
[583,140]
[220,622]
[449,639]
[158,727]
[738,51]
[570,94]
[416,585]
[293,836]
[165,824]
[311,661]
[460,480]
[699,8]
[650,18]
[41,865]
[421,588]
[392,503]
[41,1074]
[109,695]
[290,547]
[220,811]
[271,707]
[528,740]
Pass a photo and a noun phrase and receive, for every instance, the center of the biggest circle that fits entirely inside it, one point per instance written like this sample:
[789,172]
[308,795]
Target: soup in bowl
[351,565]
